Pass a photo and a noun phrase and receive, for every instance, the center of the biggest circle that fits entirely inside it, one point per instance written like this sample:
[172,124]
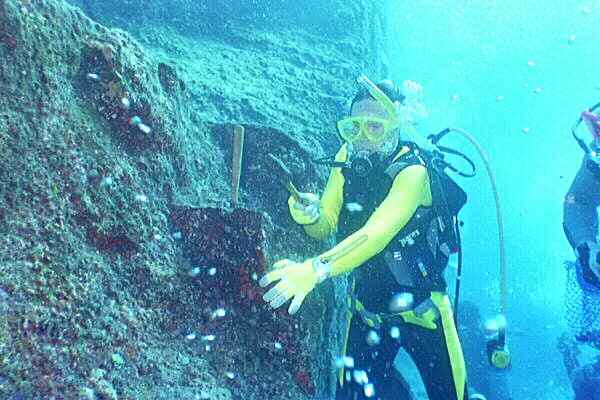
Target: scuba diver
[583,276]
[395,215]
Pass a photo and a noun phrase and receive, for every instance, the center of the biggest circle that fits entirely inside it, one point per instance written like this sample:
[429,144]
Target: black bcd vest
[416,257]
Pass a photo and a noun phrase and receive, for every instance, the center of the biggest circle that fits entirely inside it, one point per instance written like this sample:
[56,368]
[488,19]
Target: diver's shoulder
[408,154]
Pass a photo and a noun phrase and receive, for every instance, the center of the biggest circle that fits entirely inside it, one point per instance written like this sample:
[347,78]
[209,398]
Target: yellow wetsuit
[410,190]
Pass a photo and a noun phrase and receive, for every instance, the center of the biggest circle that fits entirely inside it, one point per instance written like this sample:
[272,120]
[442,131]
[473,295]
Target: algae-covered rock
[105,135]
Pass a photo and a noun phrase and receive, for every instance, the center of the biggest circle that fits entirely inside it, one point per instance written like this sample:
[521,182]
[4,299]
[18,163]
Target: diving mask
[375,129]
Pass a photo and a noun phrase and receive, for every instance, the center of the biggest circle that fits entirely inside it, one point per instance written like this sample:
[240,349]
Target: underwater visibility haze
[276,199]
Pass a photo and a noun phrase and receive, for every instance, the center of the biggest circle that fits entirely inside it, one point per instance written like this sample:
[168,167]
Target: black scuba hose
[458,270]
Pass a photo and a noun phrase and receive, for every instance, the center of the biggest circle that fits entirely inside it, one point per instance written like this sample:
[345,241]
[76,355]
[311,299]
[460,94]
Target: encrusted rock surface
[108,130]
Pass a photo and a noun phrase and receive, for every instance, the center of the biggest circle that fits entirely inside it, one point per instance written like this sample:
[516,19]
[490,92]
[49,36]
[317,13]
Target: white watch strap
[323,269]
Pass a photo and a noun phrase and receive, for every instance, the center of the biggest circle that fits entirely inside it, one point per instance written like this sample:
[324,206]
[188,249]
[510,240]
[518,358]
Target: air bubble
[401,302]
[373,338]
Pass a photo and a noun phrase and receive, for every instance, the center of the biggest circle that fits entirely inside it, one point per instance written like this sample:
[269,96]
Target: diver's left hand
[296,280]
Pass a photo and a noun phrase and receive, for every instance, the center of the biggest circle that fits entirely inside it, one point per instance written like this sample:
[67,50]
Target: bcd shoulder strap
[404,161]
[448,197]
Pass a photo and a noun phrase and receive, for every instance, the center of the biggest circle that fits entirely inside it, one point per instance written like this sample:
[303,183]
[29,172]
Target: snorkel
[384,101]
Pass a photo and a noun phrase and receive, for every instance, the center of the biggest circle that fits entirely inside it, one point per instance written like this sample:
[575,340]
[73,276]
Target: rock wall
[283,64]
[110,132]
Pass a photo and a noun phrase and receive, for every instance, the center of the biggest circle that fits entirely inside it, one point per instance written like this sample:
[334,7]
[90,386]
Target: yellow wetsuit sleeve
[331,202]
[409,190]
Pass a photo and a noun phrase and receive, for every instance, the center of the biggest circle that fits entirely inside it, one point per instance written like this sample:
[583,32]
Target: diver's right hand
[306,211]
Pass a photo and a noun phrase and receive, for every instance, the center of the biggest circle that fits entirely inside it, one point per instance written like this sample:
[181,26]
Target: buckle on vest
[371,319]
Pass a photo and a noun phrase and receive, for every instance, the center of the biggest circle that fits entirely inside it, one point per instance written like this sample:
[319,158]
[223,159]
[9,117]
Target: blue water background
[466,54]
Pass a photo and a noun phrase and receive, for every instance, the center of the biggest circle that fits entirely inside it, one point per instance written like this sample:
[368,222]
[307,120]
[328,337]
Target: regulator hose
[501,247]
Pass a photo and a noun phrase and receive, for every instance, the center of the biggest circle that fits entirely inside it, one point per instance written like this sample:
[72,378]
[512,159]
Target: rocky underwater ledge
[124,271]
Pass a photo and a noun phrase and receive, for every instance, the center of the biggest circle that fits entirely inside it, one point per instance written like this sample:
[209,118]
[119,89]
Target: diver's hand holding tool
[304,207]
[296,281]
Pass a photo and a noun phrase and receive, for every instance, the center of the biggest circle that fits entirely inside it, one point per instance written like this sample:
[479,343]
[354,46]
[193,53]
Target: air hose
[503,270]
[501,247]
[498,353]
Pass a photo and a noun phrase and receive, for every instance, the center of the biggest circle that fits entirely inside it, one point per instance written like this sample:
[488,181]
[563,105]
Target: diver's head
[373,124]
[372,119]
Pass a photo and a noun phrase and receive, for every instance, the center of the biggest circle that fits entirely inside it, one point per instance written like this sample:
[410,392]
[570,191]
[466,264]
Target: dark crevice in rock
[259,182]
[169,80]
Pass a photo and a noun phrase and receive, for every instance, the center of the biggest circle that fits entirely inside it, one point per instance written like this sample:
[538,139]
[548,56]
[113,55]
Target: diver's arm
[329,208]
[580,215]
[330,203]
[410,190]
